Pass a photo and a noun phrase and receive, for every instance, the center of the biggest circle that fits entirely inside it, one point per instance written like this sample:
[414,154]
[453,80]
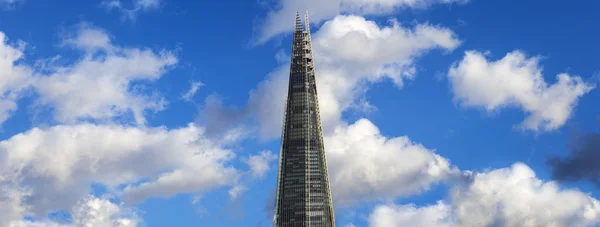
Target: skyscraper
[303,194]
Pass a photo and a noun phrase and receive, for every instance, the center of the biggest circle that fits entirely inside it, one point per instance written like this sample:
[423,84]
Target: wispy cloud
[130,13]
[195,85]
[8,4]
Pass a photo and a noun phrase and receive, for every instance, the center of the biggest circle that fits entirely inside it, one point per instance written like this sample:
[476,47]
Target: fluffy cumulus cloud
[350,52]
[15,77]
[408,215]
[503,197]
[131,12]
[60,162]
[50,169]
[101,212]
[516,80]
[90,212]
[280,20]
[364,165]
[102,84]
[516,197]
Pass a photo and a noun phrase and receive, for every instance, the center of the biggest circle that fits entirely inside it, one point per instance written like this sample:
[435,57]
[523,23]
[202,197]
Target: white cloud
[14,76]
[61,161]
[90,212]
[195,85]
[42,223]
[7,108]
[103,213]
[350,52]
[90,39]
[516,80]
[130,13]
[259,164]
[12,204]
[236,191]
[408,215]
[280,19]
[364,165]
[508,197]
[516,197]
[101,84]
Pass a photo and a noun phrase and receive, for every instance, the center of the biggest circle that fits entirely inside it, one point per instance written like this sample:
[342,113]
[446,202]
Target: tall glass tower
[303,194]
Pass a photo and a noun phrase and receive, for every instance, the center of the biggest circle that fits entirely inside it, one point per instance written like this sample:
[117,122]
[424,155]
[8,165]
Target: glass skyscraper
[303,193]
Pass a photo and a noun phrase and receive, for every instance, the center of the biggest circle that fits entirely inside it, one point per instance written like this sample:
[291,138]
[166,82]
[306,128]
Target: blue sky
[168,113]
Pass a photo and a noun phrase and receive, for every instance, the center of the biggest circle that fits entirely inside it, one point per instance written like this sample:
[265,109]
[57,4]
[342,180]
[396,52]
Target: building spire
[298,25]
[306,22]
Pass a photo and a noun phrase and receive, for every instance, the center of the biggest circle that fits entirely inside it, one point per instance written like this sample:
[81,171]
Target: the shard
[303,193]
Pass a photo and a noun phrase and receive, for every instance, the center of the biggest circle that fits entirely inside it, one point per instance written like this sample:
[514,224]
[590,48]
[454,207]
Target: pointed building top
[306,22]
[298,25]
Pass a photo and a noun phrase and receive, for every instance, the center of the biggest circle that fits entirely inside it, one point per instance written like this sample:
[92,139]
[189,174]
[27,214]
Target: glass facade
[303,194]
